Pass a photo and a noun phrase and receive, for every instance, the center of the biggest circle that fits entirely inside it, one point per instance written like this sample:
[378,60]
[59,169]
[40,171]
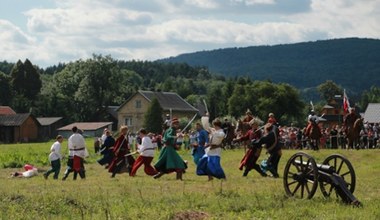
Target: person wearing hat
[272,119]
[349,120]
[252,155]
[120,150]
[248,116]
[270,140]
[169,160]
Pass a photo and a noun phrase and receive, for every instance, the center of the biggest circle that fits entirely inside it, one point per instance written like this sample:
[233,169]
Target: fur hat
[175,120]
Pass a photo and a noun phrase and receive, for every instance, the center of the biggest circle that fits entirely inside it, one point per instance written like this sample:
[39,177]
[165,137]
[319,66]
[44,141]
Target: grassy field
[142,197]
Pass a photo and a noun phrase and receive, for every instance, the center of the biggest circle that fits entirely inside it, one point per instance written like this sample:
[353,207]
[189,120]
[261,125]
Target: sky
[51,31]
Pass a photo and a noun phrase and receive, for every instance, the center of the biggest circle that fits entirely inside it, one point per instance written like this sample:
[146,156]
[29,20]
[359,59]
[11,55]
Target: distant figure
[29,172]
[55,158]
[248,116]
[106,150]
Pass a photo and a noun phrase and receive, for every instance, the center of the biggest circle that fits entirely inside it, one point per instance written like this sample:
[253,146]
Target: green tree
[328,90]
[236,103]
[26,80]
[5,89]
[371,96]
[153,117]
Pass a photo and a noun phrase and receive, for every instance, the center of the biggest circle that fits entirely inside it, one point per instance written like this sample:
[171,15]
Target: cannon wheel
[343,168]
[301,176]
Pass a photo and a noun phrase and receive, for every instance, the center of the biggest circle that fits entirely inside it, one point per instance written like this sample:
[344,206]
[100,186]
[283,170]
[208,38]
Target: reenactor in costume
[252,155]
[210,163]
[146,151]
[349,120]
[271,142]
[169,160]
[199,145]
[77,153]
[120,150]
[107,149]
[248,116]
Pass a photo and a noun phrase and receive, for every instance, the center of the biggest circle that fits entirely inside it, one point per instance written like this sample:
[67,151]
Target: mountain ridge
[353,63]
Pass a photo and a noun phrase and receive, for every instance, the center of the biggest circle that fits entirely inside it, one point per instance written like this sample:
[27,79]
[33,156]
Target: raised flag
[346,102]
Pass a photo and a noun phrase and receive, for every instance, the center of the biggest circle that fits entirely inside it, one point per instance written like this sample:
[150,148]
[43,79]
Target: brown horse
[313,132]
[229,137]
[353,133]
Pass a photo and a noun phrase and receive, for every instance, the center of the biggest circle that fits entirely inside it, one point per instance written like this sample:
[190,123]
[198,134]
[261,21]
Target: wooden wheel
[344,169]
[301,176]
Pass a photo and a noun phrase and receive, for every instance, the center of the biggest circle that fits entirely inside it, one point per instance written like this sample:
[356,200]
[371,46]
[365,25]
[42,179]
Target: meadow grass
[142,197]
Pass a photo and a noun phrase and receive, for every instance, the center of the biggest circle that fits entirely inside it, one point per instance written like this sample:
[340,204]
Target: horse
[229,137]
[353,133]
[313,132]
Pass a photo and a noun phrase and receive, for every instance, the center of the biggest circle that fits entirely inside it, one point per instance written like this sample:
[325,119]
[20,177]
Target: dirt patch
[193,215]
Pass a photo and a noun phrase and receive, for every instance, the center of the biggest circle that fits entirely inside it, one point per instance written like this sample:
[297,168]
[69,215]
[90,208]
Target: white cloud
[147,29]
[343,18]
[207,4]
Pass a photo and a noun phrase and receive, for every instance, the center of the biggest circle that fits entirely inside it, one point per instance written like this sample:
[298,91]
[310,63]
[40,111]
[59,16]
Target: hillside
[352,63]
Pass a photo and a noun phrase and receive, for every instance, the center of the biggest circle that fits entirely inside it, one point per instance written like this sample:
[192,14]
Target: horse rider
[349,119]
[248,116]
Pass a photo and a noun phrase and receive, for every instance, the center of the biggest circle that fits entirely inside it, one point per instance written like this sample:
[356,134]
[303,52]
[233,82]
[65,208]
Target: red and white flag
[346,102]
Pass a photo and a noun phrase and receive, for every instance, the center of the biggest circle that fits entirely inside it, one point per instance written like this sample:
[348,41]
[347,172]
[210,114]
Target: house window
[128,121]
[138,103]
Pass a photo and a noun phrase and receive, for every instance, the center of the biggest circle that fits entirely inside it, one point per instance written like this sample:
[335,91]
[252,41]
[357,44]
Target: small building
[6,110]
[112,116]
[18,128]
[332,116]
[90,129]
[372,113]
[49,126]
[132,111]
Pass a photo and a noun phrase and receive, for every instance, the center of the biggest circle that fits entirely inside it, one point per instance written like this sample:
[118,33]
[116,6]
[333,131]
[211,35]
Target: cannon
[302,175]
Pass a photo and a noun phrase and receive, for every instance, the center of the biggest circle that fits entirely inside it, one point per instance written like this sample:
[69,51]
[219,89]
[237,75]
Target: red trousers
[148,168]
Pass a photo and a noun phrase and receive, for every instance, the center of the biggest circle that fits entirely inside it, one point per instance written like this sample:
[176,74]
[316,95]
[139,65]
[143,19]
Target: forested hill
[352,63]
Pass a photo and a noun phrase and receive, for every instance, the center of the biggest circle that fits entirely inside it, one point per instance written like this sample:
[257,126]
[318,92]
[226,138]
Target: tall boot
[75,175]
[82,174]
[179,175]
[246,171]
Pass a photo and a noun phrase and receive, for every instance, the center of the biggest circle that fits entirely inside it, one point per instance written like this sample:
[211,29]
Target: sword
[204,102]
[130,154]
[191,121]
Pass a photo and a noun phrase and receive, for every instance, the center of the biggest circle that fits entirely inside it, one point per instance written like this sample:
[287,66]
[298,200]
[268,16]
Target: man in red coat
[252,155]
[120,149]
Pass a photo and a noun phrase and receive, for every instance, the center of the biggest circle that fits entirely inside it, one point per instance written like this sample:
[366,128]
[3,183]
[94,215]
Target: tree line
[82,90]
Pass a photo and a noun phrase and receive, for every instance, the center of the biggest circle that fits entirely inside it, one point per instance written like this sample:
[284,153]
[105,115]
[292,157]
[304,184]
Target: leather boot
[179,175]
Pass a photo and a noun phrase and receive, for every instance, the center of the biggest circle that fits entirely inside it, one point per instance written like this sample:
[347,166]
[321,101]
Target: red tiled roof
[6,110]
[86,126]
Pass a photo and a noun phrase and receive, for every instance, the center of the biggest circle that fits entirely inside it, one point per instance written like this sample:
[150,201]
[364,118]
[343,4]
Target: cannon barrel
[322,167]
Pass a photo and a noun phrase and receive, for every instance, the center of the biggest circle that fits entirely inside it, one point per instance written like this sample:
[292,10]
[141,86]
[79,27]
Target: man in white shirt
[77,153]
[55,158]
[146,150]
